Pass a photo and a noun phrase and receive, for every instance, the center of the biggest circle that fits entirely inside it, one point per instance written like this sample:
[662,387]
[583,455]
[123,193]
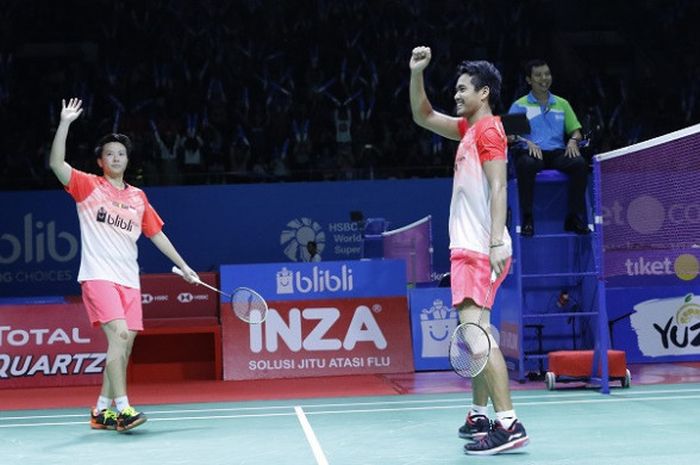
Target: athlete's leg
[469,313]
[118,339]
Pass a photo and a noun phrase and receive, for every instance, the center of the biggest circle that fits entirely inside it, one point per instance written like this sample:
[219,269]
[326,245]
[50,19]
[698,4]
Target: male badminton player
[112,215]
[479,240]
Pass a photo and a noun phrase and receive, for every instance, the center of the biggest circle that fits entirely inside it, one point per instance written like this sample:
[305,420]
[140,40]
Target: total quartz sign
[336,318]
[49,345]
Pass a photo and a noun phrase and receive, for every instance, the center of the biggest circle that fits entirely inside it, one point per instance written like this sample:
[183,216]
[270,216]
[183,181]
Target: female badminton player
[112,216]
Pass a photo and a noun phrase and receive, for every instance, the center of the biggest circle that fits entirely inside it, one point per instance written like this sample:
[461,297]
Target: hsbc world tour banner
[325,319]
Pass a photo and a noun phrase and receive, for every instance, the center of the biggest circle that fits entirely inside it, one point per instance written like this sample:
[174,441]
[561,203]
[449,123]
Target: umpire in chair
[553,143]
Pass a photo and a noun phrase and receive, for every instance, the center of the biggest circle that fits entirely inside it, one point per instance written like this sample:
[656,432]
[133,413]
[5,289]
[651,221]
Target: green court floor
[640,425]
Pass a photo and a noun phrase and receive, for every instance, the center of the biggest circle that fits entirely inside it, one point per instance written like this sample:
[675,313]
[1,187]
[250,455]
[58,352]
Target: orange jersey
[111,221]
[470,208]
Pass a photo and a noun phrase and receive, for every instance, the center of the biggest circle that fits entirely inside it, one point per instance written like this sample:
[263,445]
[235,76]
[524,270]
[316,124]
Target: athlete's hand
[420,58]
[70,112]
[498,256]
[189,275]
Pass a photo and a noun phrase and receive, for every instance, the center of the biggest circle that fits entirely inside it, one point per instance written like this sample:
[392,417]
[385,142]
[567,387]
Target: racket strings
[469,350]
[470,345]
[248,305]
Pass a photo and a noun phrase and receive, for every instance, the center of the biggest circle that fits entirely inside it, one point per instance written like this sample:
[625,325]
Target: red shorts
[470,277]
[106,301]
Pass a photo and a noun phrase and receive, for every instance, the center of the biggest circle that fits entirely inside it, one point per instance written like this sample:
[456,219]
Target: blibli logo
[37,242]
[284,282]
[116,221]
[318,280]
[101,215]
[437,325]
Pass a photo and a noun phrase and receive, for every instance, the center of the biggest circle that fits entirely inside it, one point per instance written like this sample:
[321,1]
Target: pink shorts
[106,301]
[470,277]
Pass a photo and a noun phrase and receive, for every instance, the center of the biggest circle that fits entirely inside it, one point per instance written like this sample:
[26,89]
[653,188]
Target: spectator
[312,254]
[226,62]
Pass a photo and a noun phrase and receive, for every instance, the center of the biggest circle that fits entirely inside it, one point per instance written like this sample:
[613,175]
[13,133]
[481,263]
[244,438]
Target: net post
[603,339]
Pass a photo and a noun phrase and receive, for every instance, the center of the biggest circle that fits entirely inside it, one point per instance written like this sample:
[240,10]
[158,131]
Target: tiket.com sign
[49,345]
[320,338]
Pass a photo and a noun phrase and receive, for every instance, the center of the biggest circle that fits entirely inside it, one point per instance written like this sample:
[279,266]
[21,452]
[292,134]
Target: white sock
[103,403]
[506,418]
[478,410]
[122,402]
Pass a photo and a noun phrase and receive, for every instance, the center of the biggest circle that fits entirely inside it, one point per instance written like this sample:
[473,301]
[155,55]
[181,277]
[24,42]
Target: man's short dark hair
[536,63]
[114,137]
[483,74]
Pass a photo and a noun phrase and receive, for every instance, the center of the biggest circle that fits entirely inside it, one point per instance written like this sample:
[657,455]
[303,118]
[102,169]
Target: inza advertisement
[333,318]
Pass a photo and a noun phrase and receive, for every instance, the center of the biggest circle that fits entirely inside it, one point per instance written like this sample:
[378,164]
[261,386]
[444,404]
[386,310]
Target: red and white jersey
[470,208]
[111,220]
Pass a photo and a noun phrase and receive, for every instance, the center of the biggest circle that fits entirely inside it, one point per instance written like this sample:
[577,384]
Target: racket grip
[494,276]
[177,271]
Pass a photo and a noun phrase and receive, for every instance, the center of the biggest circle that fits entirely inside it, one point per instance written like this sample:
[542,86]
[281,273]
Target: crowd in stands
[262,90]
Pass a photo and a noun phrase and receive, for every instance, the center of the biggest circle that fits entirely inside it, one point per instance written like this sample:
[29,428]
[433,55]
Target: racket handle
[179,272]
[494,276]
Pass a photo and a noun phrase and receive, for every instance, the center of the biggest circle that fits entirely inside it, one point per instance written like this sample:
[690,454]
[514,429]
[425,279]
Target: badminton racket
[470,345]
[246,304]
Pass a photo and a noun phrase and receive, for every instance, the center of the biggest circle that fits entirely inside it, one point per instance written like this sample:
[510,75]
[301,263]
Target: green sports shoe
[105,419]
[129,418]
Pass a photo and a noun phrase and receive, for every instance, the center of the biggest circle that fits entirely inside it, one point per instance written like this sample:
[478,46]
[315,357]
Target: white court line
[597,400]
[450,400]
[311,437]
[518,404]
[151,420]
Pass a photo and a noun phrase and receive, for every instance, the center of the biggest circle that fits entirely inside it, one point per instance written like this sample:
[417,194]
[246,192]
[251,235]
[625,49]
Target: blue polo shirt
[550,123]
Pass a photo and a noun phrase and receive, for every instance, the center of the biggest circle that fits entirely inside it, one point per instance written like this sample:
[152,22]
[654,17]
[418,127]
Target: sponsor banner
[655,324]
[651,224]
[324,280]
[327,337]
[648,212]
[170,296]
[433,320]
[49,345]
[652,267]
[40,237]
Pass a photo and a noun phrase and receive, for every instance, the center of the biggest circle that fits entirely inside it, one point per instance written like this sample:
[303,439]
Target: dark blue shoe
[499,440]
[475,427]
